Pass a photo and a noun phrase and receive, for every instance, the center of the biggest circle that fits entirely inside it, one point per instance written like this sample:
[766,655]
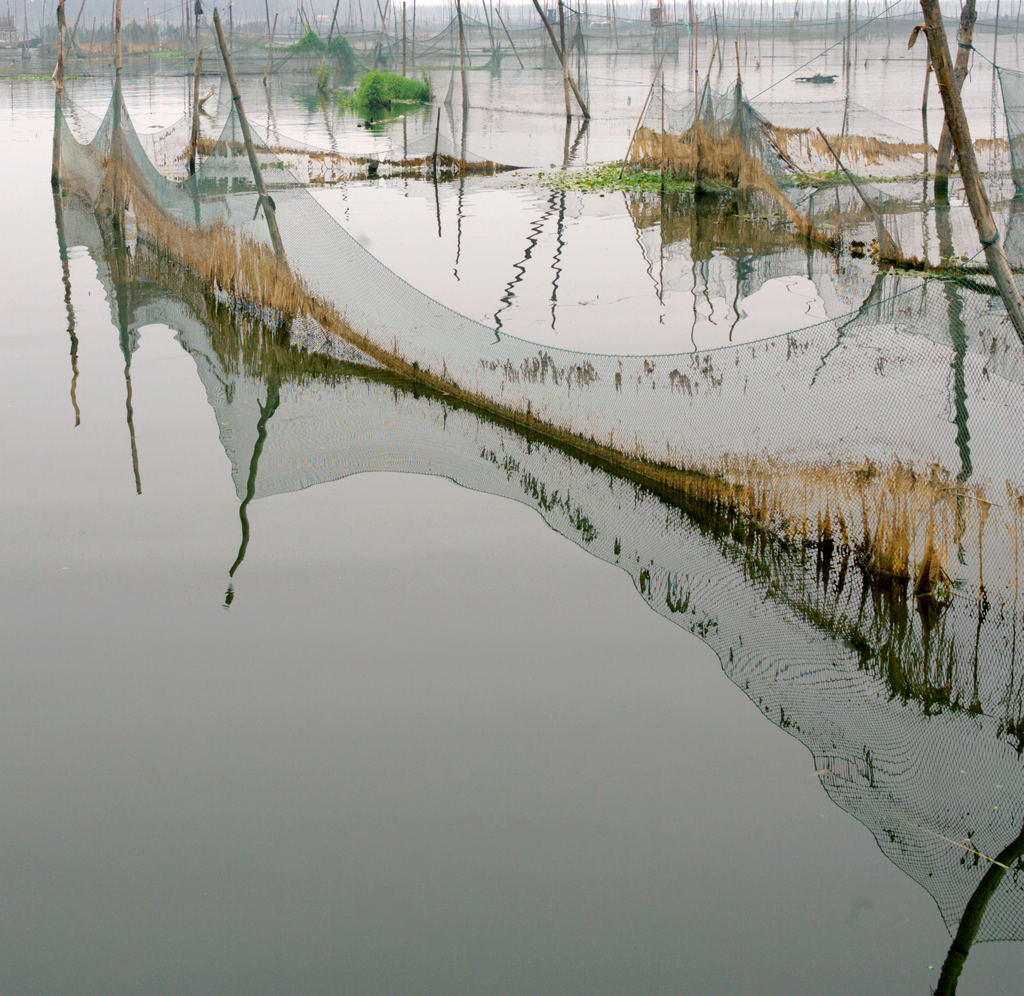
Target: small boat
[816,78]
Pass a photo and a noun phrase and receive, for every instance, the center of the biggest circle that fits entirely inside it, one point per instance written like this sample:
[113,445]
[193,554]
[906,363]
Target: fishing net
[784,499]
[905,709]
[1011,84]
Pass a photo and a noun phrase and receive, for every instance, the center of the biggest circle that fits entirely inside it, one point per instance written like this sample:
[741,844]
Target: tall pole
[404,73]
[270,49]
[59,95]
[462,54]
[321,76]
[977,198]
[963,54]
[558,52]
[194,142]
[268,204]
[117,42]
[565,64]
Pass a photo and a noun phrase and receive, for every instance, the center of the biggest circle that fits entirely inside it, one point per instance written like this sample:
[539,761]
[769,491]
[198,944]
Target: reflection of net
[867,685]
[874,431]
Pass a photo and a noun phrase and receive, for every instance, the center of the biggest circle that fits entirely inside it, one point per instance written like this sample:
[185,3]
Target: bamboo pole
[509,36]
[462,54]
[322,74]
[437,138]
[117,41]
[270,49]
[963,55]
[886,244]
[194,141]
[558,52]
[977,198]
[565,64]
[59,95]
[643,111]
[268,205]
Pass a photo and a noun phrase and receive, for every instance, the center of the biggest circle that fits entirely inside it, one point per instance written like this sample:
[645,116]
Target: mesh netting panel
[1011,84]
[904,414]
[903,711]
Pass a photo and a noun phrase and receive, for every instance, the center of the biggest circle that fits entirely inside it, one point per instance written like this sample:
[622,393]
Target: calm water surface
[429,746]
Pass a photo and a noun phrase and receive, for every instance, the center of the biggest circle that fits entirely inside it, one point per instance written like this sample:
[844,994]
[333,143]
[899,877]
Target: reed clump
[718,158]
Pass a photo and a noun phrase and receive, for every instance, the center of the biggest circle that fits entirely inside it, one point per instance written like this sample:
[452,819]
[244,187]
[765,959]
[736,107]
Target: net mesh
[1011,84]
[786,498]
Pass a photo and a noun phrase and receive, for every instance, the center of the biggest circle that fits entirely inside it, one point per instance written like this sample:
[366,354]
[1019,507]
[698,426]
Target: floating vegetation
[379,92]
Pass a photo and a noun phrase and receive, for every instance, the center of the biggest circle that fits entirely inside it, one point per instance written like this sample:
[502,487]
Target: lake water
[419,738]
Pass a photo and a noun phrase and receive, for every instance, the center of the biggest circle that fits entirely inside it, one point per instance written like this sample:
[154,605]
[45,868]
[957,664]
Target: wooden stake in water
[963,56]
[437,137]
[462,54]
[886,244]
[268,205]
[565,64]
[643,111]
[507,35]
[59,96]
[322,75]
[194,141]
[558,52]
[977,198]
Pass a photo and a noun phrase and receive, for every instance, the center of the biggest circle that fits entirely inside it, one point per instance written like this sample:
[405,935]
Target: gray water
[428,746]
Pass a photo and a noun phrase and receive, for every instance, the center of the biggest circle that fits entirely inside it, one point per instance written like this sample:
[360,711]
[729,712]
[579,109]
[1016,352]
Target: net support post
[977,197]
[268,205]
[558,52]
[58,77]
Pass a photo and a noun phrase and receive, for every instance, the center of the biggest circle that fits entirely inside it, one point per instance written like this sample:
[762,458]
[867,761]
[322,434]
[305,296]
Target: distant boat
[816,78]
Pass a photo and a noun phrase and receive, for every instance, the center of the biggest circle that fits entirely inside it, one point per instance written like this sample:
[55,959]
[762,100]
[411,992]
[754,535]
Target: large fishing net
[836,510]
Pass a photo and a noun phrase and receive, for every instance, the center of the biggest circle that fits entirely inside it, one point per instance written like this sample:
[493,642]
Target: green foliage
[377,92]
[310,42]
[340,52]
[606,177]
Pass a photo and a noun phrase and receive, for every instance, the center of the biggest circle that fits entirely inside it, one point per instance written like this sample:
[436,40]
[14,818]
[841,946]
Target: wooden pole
[270,49]
[508,36]
[558,52]
[74,29]
[643,111]
[437,137]
[963,56]
[59,95]
[194,141]
[268,204]
[404,73]
[565,64]
[117,41]
[322,75]
[977,198]
[462,54]
[886,244]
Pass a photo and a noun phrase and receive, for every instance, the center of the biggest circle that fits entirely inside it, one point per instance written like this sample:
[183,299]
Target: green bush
[378,91]
[310,42]
[340,52]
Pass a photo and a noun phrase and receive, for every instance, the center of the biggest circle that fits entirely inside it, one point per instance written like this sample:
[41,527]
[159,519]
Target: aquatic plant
[378,92]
